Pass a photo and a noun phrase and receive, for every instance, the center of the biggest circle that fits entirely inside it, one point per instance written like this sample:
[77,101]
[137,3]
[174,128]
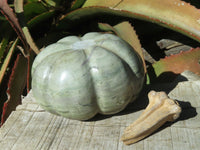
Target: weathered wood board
[31,128]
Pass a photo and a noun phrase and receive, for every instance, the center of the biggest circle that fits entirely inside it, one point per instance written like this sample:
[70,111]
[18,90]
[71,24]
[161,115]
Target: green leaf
[77,3]
[40,18]
[11,17]
[16,86]
[19,10]
[174,14]
[51,2]
[176,64]
[34,9]
[2,18]
[7,61]
[3,45]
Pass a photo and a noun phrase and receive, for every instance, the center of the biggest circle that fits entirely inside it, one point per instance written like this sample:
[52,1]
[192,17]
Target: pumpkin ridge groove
[112,51]
[87,61]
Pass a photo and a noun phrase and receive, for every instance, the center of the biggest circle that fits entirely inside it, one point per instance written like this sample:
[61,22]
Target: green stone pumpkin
[78,77]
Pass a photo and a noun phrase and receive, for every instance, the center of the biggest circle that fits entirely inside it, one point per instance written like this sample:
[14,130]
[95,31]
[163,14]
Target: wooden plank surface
[31,128]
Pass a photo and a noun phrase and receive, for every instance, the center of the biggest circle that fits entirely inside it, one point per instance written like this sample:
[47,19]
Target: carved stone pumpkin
[78,77]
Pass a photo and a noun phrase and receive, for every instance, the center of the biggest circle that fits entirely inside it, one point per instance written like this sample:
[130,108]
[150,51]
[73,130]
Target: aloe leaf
[77,3]
[51,2]
[16,85]
[19,10]
[126,31]
[7,61]
[40,18]
[176,64]
[174,14]
[32,9]
[10,16]
[3,46]
[2,18]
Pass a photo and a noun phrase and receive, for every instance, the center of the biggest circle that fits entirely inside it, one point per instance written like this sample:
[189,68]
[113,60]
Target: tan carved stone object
[160,110]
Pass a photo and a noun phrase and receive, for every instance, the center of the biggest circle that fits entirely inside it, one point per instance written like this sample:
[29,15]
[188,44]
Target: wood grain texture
[31,128]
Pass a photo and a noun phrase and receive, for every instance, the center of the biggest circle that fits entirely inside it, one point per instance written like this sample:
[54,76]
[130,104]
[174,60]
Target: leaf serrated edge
[5,112]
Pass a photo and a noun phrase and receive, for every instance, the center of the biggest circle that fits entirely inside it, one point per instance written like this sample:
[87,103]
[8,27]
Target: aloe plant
[39,23]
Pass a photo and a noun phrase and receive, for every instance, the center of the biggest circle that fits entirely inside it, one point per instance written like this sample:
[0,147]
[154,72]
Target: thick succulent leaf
[3,45]
[16,85]
[40,18]
[189,60]
[38,15]
[2,18]
[19,10]
[51,2]
[6,31]
[10,16]
[107,27]
[32,0]
[127,33]
[7,61]
[174,14]
[77,3]
[33,9]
